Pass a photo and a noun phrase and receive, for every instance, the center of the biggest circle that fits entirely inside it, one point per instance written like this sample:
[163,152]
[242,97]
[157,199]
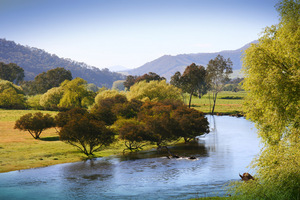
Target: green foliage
[84,132]
[218,71]
[153,91]
[133,132]
[35,123]
[105,93]
[35,61]
[11,72]
[118,85]
[104,109]
[33,102]
[76,94]
[131,80]
[192,122]
[47,80]
[161,123]
[11,96]
[51,98]
[272,81]
[192,81]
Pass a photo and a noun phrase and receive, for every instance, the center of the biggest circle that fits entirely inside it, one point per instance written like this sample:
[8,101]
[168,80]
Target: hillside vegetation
[35,61]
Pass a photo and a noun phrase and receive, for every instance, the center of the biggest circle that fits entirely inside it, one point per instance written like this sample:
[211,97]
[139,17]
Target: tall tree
[87,134]
[192,81]
[51,78]
[76,94]
[272,82]
[11,72]
[218,71]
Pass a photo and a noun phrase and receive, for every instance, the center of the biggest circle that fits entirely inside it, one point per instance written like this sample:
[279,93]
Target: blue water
[221,156]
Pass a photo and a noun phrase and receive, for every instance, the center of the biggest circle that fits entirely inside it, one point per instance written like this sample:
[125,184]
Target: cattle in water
[246,177]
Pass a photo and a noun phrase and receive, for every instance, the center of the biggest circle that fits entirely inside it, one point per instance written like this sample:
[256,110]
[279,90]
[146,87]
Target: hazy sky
[104,33]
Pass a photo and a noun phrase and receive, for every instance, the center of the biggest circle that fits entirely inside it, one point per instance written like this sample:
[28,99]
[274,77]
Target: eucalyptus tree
[218,71]
[192,81]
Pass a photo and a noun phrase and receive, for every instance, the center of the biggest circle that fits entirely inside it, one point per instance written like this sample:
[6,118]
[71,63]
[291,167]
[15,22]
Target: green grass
[227,102]
[19,150]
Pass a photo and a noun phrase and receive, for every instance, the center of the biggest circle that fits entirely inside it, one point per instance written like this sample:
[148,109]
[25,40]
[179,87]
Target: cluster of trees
[134,121]
[272,81]
[196,80]
[11,72]
[131,80]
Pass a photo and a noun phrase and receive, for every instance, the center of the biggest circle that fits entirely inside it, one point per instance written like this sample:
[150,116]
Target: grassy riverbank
[18,150]
[228,103]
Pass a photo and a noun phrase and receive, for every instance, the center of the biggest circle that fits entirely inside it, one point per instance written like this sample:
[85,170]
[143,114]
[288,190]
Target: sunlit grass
[19,150]
[227,102]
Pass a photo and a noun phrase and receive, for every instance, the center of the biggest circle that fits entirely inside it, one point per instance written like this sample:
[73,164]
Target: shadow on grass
[55,138]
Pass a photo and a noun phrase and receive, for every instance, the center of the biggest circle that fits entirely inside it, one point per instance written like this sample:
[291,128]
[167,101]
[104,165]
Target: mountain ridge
[167,65]
[35,61]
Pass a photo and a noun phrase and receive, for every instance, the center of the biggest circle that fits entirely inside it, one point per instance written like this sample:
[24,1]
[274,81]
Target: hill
[35,61]
[167,65]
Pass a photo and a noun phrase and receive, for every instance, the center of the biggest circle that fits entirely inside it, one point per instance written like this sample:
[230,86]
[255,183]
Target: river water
[221,155]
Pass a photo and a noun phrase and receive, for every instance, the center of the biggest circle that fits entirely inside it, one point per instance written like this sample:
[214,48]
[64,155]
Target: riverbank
[19,150]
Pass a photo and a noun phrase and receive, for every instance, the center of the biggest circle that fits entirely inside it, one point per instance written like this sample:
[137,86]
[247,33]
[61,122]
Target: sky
[130,33]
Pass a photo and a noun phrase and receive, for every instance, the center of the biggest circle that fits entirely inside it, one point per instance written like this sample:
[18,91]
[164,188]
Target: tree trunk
[214,99]
[190,101]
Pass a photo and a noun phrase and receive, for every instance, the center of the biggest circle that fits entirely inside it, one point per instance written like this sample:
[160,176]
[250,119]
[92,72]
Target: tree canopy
[35,123]
[11,72]
[193,80]
[153,91]
[218,71]
[80,129]
[272,74]
[151,76]
[11,96]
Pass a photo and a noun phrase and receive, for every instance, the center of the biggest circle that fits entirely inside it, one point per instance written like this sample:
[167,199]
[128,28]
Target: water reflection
[221,156]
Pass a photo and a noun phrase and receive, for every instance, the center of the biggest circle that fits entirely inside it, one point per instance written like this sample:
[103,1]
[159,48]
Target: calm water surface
[221,156]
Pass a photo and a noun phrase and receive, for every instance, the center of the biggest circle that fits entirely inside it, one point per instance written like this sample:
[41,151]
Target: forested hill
[167,65]
[35,61]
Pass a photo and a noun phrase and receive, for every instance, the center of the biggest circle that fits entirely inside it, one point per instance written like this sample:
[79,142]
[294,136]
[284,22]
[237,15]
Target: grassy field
[18,150]
[227,102]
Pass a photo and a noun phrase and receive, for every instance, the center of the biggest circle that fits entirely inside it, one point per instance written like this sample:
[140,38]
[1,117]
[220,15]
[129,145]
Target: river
[221,155]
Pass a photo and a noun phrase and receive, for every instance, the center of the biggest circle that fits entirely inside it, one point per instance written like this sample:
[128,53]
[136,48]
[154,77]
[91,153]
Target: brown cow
[246,177]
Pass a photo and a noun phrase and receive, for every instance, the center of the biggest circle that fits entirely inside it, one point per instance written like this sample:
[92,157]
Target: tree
[11,72]
[35,123]
[151,76]
[272,76]
[87,134]
[218,71]
[104,109]
[192,81]
[11,96]
[160,127]
[130,81]
[153,91]
[118,85]
[47,80]
[192,122]
[76,94]
[51,98]
[133,132]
